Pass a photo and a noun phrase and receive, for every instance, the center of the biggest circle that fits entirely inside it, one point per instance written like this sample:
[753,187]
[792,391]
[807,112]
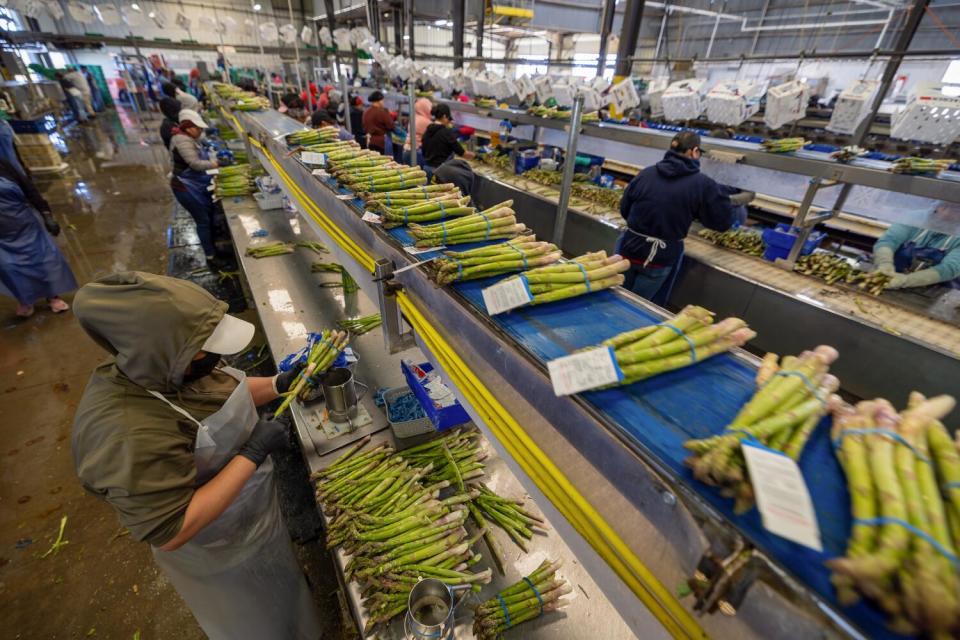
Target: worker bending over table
[659,205]
[172,441]
[918,257]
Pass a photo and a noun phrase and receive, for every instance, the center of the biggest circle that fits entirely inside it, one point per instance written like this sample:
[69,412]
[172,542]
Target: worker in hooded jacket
[659,205]
[172,441]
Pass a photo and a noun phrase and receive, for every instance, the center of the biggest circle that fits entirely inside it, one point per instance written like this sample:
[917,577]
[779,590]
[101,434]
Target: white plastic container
[852,106]
[683,100]
[406,428]
[929,116]
[733,102]
[786,103]
[268,201]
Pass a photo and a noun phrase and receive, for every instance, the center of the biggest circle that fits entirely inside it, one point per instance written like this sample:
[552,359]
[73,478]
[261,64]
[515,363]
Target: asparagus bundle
[360,325]
[920,166]
[508,514]
[530,598]
[410,195]
[485,102]
[686,339]
[442,208]
[902,549]
[313,245]
[312,136]
[788,405]
[491,224]
[395,527]
[371,178]
[783,145]
[584,274]
[514,255]
[833,269]
[321,355]
[254,103]
[269,249]
[234,180]
[346,280]
[739,239]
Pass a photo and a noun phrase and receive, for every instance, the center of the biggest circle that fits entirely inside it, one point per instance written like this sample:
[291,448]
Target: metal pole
[756,35]
[663,28]
[716,25]
[459,17]
[606,26]
[569,163]
[409,19]
[296,49]
[263,70]
[883,32]
[412,135]
[398,31]
[332,24]
[344,89]
[321,53]
[629,34]
[223,49]
[481,16]
[914,17]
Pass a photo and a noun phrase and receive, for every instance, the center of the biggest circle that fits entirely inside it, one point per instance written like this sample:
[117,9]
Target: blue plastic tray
[442,419]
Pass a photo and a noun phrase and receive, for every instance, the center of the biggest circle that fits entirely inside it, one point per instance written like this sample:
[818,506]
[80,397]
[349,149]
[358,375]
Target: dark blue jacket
[663,200]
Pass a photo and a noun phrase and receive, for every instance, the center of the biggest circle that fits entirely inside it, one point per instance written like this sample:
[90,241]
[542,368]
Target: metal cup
[340,394]
[430,609]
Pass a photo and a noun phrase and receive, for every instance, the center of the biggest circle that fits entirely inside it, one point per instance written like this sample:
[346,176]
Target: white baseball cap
[231,335]
[192,116]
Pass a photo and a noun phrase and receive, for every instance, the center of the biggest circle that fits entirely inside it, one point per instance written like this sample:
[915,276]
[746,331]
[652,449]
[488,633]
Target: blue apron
[666,288]
[195,181]
[909,257]
[31,265]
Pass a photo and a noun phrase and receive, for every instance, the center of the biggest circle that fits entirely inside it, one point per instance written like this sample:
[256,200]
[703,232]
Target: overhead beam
[606,26]
[459,19]
[629,34]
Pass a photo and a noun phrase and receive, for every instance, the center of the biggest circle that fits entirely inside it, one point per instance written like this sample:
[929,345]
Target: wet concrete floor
[115,207]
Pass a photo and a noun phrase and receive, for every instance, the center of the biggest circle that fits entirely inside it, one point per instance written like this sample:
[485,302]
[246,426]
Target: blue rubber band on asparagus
[586,278]
[523,256]
[443,227]
[486,236]
[535,592]
[388,200]
[884,432]
[884,520]
[503,607]
[954,484]
[443,211]
[693,348]
[806,381]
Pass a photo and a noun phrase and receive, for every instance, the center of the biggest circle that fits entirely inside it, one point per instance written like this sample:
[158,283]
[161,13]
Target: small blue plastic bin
[442,419]
[780,240]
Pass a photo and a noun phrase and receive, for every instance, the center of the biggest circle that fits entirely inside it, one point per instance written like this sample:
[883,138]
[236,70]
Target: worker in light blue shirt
[918,257]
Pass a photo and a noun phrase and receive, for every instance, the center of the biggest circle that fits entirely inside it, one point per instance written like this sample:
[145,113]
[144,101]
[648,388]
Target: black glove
[51,225]
[268,436]
[744,197]
[283,380]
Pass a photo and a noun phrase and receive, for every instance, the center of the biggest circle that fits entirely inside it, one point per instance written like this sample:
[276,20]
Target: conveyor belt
[657,415]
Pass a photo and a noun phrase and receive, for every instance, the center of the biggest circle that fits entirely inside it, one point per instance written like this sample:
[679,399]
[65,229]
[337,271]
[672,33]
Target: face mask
[202,367]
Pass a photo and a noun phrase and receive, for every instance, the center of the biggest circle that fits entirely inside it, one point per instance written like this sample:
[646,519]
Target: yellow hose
[558,489]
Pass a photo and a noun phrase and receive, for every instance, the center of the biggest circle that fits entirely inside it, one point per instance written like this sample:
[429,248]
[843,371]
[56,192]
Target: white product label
[280,137]
[320,173]
[782,496]
[312,157]
[346,196]
[582,371]
[415,251]
[369,216]
[212,172]
[506,295]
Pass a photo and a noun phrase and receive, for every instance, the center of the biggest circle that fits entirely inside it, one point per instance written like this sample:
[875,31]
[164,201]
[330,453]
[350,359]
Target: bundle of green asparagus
[920,166]
[347,282]
[783,145]
[903,472]
[254,103]
[321,355]
[508,514]
[379,179]
[833,269]
[739,239]
[507,257]
[791,399]
[688,338]
[395,527]
[312,136]
[492,224]
[432,210]
[313,245]
[360,325]
[585,274]
[333,147]
[234,180]
[528,599]
[269,249]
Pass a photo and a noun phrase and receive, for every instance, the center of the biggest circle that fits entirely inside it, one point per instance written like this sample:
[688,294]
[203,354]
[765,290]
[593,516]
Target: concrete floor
[115,207]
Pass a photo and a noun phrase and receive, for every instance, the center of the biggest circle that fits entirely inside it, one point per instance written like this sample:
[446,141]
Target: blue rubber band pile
[405,408]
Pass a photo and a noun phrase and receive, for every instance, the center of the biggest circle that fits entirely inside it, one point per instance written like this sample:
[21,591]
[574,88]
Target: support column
[408,14]
[398,31]
[373,18]
[629,35]
[481,16]
[332,24]
[296,52]
[606,26]
[459,17]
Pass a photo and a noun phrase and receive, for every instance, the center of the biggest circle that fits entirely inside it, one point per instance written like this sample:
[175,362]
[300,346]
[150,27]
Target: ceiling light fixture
[135,6]
[257,7]
[152,14]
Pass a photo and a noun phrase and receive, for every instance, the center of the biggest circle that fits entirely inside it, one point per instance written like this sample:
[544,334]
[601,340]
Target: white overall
[238,574]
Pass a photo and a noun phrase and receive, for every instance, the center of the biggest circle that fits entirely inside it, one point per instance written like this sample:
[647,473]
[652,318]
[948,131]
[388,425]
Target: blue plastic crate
[46,124]
[780,240]
[442,419]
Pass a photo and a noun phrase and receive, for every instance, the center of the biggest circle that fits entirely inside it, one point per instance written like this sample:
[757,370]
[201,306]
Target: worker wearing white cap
[190,180]
[172,441]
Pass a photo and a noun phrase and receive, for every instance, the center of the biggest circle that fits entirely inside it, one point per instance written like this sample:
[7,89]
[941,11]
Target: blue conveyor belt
[661,413]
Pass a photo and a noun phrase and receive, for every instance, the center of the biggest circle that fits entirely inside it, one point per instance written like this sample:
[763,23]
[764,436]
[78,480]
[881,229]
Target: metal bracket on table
[397,336]
[805,222]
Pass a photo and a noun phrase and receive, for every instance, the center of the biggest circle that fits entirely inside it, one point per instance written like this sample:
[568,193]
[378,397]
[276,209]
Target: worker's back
[662,201]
